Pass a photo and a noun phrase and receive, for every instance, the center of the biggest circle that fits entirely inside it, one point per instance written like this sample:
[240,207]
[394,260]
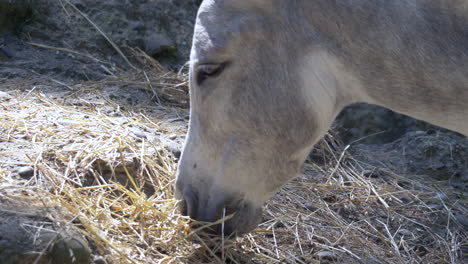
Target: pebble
[155,43]
[327,255]
[405,232]
[137,133]
[435,206]
[419,133]
[460,179]
[370,174]
[4,56]
[457,184]
[439,166]
[70,250]
[462,219]
[441,196]
[279,225]
[4,96]
[311,207]
[26,172]
[173,120]
[173,136]
[100,260]
[174,150]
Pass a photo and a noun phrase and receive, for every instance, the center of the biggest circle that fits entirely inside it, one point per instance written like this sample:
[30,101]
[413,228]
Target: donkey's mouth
[230,226]
[220,215]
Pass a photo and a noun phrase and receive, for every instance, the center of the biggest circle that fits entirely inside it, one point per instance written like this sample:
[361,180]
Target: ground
[90,140]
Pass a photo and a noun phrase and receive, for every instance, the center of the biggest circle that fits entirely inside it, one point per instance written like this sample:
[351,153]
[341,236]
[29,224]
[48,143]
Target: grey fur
[291,67]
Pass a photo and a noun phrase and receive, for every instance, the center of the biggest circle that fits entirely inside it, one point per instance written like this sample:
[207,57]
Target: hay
[105,166]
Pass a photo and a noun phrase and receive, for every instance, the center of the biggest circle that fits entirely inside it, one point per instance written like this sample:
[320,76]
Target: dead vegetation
[105,165]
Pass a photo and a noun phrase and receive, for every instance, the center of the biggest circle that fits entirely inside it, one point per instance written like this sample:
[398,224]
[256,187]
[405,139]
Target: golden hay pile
[105,165]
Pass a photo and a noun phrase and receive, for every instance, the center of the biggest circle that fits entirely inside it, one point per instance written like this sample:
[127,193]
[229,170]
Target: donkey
[268,77]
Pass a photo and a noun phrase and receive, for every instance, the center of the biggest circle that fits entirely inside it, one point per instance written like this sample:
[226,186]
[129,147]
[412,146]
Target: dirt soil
[53,39]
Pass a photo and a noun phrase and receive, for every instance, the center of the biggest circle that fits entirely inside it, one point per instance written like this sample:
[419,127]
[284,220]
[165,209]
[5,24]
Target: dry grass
[107,168]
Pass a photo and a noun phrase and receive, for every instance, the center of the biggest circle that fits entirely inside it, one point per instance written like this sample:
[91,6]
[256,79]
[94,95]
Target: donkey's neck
[410,55]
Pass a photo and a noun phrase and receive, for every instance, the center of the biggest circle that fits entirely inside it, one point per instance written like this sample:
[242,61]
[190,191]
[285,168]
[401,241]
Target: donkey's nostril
[183,208]
[207,208]
[191,203]
[213,209]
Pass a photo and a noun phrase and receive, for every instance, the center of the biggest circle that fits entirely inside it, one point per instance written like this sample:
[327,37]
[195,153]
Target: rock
[327,255]
[311,207]
[67,248]
[441,196]
[435,206]
[279,225]
[174,149]
[156,43]
[463,219]
[29,237]
[178,119]
[26,172]
[137,133]
[420,250]
[405,232]
[4,96]
[460,180]
[439,166]
[370,174]
[173,146]
[4,55]
[99,260]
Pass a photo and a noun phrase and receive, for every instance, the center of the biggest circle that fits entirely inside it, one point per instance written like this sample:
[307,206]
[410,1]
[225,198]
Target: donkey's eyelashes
[209,70]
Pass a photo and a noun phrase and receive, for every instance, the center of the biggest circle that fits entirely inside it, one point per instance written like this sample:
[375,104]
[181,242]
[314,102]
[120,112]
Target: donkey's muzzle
[217,212]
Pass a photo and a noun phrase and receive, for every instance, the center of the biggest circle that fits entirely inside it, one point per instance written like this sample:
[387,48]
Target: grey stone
[435,206]
[174,149]
[311,207]
[66,248]
[24,236]
[4,96]
[155,43]
[26,172]
[4,55]
[441,196]
[460,180]
[100,260]
[463,219]
[137,132]
[327,255]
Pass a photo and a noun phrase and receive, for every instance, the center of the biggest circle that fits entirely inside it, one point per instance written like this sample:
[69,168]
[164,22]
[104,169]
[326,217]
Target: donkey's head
[258,104]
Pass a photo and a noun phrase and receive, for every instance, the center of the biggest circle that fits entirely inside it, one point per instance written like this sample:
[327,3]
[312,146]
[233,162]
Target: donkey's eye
[205,71]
